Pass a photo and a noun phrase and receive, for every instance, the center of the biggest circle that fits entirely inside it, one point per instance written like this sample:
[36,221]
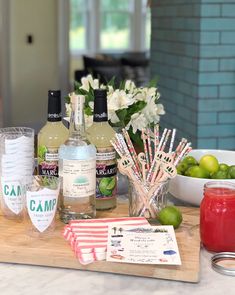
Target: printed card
[152,245]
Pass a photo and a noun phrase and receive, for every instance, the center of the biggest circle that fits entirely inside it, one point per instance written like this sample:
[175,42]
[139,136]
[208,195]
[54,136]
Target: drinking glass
[16,164]
[138,200]
[41,198]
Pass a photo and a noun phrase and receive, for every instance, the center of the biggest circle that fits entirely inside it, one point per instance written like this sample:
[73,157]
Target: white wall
[34,69]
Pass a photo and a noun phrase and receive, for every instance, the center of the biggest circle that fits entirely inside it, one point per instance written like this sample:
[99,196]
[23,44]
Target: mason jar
[217,216]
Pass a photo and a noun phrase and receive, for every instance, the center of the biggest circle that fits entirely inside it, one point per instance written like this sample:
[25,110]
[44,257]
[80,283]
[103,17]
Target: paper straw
[156,137]
[162,139]
[178,148]
[145,149]
[149,147]
[166,139]
[122,143]
[172,140]
[181,155]
[116,148]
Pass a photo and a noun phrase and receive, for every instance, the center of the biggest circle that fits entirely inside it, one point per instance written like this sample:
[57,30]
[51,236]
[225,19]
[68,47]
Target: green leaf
[135,108]
[67,99]
[121,114]
[112,82]
[88,111]
[119,124]
[136,138]
[77,85]
[122,85]
[153,82]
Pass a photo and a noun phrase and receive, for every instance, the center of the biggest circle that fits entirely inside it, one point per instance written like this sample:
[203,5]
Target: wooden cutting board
[17,247]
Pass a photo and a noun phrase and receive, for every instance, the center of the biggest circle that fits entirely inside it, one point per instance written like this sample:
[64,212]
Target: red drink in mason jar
[217,216]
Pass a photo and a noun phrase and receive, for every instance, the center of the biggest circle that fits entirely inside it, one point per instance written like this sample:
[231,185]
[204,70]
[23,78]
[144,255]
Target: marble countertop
[33,280]
[28,280]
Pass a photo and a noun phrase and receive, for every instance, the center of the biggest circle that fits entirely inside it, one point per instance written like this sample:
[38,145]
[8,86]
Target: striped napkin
[88,237]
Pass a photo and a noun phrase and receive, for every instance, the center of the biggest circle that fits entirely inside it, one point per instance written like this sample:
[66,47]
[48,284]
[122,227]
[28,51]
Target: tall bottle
[77,168]
[51,136]
[100,133]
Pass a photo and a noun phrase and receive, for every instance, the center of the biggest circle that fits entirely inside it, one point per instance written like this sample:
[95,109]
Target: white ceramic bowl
[190,189]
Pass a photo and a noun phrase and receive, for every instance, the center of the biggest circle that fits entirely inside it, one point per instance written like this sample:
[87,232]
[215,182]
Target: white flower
[137,122]
[91,105]
[119,99]
[152,111]
[112,116]
[129,86]
[88,82]
[145,94]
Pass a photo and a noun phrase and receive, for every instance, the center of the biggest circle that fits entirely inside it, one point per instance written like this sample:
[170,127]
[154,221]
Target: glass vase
[147,205]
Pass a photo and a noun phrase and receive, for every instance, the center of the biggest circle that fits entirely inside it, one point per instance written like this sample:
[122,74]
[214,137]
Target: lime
[42,149]
[179,172]
[198,172]
[170,215]
[182,167]
[104,184]
[112,183]
[219,175]
[209,163]
[223,167]
[189,160]
[231,171]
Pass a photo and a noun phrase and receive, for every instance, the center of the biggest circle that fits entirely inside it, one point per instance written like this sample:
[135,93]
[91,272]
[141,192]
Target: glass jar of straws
[145,204]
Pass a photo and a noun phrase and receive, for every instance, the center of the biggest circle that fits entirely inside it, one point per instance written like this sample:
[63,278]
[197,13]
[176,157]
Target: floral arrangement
[130,107]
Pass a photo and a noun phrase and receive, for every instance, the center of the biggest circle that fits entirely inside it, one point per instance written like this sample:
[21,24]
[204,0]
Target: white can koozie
[11,191]
[41,206]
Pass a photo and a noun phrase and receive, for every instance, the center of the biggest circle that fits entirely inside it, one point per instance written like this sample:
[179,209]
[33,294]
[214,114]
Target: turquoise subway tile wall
[192,53]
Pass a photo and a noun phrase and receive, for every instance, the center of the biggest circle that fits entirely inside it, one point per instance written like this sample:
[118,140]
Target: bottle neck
[54,119]
[77,121]
[54,106]
[100,109]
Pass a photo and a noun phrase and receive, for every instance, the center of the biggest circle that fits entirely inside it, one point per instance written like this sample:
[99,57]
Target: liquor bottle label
[41,207]
[47,161]
[106,171]
[78,178]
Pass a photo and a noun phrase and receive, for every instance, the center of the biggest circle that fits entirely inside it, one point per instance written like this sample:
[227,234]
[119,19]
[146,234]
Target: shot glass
[41,198]
[16,164]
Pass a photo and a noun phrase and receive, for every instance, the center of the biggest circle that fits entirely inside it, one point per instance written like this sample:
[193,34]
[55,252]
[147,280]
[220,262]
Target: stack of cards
[152,245]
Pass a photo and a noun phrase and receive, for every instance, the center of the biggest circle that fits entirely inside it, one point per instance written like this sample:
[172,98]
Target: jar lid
[224,263]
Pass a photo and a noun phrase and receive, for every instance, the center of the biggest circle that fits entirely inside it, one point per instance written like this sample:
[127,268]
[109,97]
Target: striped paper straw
[149,146]
[182,153]
[172,140]
[145,149]
[156,137]
[162,139]
[132,150]
[165,140]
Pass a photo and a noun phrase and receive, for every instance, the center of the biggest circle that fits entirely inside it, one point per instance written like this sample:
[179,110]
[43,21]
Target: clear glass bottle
[51,136]
[100,133]
[77,168]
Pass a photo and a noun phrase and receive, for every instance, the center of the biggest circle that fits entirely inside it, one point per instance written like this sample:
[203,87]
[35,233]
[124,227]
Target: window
[109,25]
[115,24]
[78,28]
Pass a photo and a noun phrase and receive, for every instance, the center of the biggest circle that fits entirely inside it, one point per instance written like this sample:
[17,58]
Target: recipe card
[151,245]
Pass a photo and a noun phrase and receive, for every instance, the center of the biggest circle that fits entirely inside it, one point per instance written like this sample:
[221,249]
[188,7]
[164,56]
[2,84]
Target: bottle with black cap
[100,134]
[51,136]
